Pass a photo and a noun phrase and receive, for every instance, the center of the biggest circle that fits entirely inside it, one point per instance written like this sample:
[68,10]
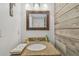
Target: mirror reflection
[38,20]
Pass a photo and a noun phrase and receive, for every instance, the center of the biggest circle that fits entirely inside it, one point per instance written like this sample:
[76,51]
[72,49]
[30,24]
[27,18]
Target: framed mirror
[37,20]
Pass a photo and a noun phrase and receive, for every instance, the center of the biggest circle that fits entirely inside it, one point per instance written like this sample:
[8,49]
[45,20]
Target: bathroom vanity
[36,46]
[48,50]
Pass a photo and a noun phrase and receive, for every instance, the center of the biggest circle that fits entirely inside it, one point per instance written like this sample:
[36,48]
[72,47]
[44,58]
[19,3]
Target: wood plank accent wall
[67,28]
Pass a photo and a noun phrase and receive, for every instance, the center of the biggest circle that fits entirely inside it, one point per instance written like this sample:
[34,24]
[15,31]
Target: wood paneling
[71,23]
[67,8]
[60,6]
[69,15]
[73,33]
[67,28]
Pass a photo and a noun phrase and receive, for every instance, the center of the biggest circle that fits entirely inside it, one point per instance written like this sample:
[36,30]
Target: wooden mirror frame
[37,12]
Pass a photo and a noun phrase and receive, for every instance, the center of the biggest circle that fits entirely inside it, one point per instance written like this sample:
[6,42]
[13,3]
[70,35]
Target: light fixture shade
[36,6]
[28,7]
[45,7]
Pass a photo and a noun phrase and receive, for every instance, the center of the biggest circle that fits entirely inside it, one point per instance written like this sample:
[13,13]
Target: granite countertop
[49,51]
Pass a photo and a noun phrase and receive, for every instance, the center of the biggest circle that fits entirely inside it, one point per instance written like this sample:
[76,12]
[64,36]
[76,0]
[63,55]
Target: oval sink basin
[36,47]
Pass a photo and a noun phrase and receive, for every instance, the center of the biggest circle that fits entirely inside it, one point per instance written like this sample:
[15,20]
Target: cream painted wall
[31,33]
[9,28]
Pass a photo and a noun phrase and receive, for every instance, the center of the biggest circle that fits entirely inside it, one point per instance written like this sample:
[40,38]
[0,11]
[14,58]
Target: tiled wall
[67,28]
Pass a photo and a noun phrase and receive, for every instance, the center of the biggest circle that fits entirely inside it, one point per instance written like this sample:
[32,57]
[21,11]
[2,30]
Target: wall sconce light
[36,6]
[27,7]
[45,6]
